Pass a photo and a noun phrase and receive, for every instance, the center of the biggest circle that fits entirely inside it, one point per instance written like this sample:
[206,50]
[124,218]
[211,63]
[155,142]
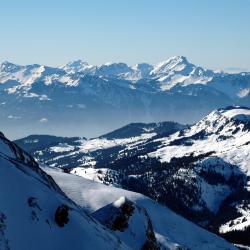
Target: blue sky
[211,33]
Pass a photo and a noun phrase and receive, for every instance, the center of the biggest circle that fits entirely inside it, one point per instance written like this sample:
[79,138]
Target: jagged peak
[116,64]
[175,63]
[76,63]
[174,60]
[142,66]
[76,66]
[6,62]
[8,66]
[178,59]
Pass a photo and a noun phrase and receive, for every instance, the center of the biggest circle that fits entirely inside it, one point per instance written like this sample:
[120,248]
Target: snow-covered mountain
[35,212]
[136,219]
[97,99]
[77,66]
[113,70]
[173,71]
[69,153]
[27,75]
[200,171]
[177,70]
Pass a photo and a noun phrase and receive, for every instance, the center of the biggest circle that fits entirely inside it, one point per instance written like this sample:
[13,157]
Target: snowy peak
[130,222]
[76,63]
[230,121]
[12,151]
[9,67]
[108,69]
[112,69]
[237,113]
[143,67]
[28,74]
[178,70]
[176,63]
[78,66]
[139,71]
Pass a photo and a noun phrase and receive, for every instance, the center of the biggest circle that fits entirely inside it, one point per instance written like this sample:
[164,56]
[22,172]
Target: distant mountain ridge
[163,71]
[78,96]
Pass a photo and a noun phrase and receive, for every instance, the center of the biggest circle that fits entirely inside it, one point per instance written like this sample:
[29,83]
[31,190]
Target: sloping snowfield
[171,230]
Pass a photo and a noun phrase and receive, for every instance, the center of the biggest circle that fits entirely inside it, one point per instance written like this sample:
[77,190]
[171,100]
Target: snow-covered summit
[7,66]
[178,70]
[145,68]
[28,74]
[176,63]
[237,113]
[138,72]
[224,121]
[78,66]
[112,69]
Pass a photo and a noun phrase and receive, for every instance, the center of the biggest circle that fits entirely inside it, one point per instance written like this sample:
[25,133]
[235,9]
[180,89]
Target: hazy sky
[211,33]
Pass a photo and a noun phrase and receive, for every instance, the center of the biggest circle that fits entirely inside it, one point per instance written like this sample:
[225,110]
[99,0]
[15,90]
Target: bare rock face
[62,215]
[4,244]
[130,222]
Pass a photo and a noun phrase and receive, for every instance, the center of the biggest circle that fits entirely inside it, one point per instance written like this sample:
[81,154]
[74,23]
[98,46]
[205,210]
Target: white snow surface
[28,202]
[171,230]
[228,142]
[90,173]
[238,114]
[96,144]
[233,148]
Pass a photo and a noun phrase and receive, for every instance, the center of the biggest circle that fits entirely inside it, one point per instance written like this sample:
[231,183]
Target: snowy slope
[74,152]
[171,230]
[207,166]
[30,216]
[77,66]
[226,133]
[201,172]
[27,75]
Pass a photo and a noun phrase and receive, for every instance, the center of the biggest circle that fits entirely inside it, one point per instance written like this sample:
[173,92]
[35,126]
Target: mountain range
[82,99]
[200,171]
[44,208]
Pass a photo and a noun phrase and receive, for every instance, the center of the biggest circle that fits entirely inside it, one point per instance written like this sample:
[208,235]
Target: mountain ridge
[98,99]
[206,164]
[38,212]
